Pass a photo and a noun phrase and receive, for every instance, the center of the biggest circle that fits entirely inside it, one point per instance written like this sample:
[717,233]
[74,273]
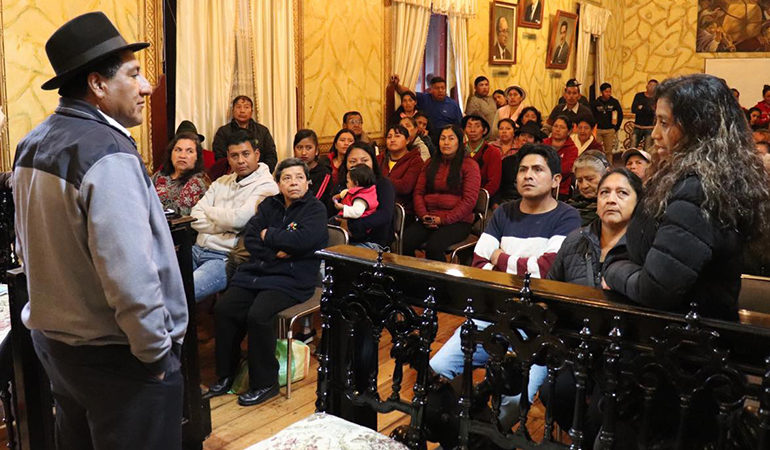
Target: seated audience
[487,156]
[374,231]
[243,108]
[423,127]
[181,181]
[408,107]
[529,114]
[567,150]
[336,157]
[402,167]
[571,108]
[522,236]
[709,200]
[516,103]
[440,109]
[764,108]
[444,197]
[763,148]
[354,121]
[583,137]
[761,134]
[753,116]
[480,103]
[579,261]
[360,197]
[499,98]
[282,270]
[506,139]
[415,141]
[589,169]
[306,149]
[529,133]
[224,210]
[638,162]
[581,99]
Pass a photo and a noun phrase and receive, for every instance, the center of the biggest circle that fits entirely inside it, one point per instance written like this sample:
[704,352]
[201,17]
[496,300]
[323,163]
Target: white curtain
[458,33]
[593,22]
[272,25]
[462,8]
[205,59]
[412,18]
[243,75]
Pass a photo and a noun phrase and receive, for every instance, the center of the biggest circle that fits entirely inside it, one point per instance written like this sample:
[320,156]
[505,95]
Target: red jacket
[403,176]
[568,154]
[764,117]
[490,160]
[451,206]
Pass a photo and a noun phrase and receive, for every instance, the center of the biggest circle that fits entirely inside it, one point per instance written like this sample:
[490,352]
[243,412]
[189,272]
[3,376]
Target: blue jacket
[299,230]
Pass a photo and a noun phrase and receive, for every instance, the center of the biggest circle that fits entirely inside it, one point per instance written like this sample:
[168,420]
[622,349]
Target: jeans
[448,362]
[370,245]
[209,274]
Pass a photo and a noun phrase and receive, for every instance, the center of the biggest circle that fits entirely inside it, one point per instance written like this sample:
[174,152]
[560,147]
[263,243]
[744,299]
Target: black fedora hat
[81,41]
[188,127]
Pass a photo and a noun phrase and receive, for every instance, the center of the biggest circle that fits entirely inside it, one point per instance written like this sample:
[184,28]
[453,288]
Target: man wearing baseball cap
[107,307]
[637,161]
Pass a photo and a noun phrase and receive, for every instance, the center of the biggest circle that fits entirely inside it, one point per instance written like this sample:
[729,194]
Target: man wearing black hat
[487,156]
[107,307]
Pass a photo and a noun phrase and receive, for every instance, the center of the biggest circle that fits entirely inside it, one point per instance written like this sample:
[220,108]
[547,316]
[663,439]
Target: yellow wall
[344,64]
[27,25]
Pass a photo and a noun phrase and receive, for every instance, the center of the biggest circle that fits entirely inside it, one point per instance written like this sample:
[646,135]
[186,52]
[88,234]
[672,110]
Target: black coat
[261,134]
[378,226]
[299,230]
[578,259]
[680,258]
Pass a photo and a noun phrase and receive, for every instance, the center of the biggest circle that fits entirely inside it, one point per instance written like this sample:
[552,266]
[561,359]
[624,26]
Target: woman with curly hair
[709,198]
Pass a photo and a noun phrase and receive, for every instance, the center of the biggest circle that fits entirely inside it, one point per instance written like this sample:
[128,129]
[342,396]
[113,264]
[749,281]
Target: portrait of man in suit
[531,16]
[561,41]
[561,52]
[502,42]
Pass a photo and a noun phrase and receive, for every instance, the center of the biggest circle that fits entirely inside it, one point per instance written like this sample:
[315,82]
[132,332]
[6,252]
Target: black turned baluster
[376,334]
[582,362]
[468,344]
[648,411]
[550,384]
[398,374]
[612,380]
[524,405]
[685,398]
[8,415]
[764,409]
[324,367]
[526,291]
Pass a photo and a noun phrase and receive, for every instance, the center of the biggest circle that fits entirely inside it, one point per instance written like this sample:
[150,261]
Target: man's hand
[395,80]
[495,256]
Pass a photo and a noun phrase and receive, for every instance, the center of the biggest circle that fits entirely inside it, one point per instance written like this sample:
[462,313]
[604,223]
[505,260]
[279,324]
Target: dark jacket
[603,111]
[507,191]
[682,257]
[578,259]
[403,176]
[260,132]
[586,207]
[378,226]
[321,183]
[300,231]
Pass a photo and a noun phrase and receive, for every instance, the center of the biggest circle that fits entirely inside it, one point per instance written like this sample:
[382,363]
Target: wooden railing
[641,365]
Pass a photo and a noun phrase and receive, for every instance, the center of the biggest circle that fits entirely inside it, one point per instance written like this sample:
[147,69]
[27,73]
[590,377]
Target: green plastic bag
[300,365]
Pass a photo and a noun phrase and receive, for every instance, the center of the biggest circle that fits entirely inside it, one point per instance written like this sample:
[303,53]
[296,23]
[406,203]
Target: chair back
[337,235]
[480,212]
[399,218]
[755,294]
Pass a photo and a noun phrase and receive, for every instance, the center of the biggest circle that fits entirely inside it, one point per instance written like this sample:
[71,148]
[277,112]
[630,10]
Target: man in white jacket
[224,210]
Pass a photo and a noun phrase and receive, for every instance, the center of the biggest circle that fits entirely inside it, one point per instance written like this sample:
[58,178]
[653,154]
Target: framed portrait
[502,33]
[531,13]
[561,43]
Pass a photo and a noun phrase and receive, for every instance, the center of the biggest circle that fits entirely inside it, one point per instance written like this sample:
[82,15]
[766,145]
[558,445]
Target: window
[435,61]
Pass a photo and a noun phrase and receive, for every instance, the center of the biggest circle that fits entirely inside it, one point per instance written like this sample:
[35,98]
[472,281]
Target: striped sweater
[529,241]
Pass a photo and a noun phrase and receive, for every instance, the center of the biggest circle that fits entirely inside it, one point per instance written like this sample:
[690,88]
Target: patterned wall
[344,64]
[27,24]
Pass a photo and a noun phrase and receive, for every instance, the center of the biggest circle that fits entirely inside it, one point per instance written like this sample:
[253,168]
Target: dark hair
[653,80]
[586,119]
[290,162]
[633,179]
[304,134]
[524,111]
[243,97]
[333,149]
[717,147]
[765,89]
[77,86]
[479,79]
[362,175]
[508,121]
[240,136]
[454,179]
[604,86]
[400,129]
[410,119]
[563,24]
[168,166]
[435,80]
[546,151]
[408,94]
[566,120]
[735,91]
[343,172]
[498,91]
[754,108]
[350,113]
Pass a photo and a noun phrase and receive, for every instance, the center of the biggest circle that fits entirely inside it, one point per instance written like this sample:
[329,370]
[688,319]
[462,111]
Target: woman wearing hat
[181,182]
[516,96]
[487,156]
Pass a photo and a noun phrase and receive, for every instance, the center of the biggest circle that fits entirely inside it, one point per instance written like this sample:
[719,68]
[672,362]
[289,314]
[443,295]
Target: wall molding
[5,140]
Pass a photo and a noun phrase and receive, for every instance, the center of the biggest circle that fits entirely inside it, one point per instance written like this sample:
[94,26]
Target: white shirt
[114,123]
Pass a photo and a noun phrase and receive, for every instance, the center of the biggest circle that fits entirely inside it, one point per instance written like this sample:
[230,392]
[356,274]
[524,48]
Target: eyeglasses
[356,121]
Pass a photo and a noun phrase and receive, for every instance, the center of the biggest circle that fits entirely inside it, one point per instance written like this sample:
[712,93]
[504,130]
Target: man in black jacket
[609,116]
[243,108]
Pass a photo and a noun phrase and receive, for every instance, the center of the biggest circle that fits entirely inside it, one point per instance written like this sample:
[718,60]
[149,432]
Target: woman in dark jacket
[375,230]
[705,202]
[321,184]
[282,270]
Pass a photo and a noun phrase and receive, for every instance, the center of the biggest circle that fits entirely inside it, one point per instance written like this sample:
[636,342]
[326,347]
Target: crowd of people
[671,226]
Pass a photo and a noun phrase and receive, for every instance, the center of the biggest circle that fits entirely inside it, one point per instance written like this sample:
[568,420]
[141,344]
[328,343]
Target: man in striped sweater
[522,236]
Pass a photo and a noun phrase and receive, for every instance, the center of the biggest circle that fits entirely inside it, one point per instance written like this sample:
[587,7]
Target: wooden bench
[607,343]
